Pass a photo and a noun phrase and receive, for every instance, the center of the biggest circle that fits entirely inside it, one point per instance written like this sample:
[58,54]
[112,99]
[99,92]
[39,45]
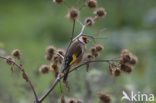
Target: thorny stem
[28,79]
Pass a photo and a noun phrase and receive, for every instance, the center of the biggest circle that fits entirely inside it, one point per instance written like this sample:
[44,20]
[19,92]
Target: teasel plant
[125,62]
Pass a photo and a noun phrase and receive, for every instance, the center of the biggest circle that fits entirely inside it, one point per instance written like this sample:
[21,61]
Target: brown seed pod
[89,56]
[50,50]
[73,13]
[55,68]
[96,54]
[44,69]
[93,50]
[100,12]
[126,68]
[61,51]
[117,72]
[104,98]
[89,21]
[58,1]
[124,51]
[56,59]
[48,57]
[16,53]
[133,60]
[9,60]
[99,47]
[126,58]
[91,3]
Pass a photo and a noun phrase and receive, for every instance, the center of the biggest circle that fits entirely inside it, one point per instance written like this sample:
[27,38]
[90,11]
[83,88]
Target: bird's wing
[74,53]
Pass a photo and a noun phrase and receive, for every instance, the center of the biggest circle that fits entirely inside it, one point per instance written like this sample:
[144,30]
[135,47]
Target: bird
[74,55]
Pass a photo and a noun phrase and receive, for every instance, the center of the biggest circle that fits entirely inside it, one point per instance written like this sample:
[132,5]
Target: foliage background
[31,25]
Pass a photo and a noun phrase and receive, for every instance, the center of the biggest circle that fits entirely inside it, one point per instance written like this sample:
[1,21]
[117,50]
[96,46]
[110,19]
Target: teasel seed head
[99,47]
[96,54]
[93,50]
[100,12]
[91,3]
[55,68]
[89,56]
[16,53]
[117,72]
[9,60]
[134,60]
[56,58]
[126,68]
[61,51]
[48,57]
[104,98]
[73,13]
[44,69]
[89,21]
[50,50]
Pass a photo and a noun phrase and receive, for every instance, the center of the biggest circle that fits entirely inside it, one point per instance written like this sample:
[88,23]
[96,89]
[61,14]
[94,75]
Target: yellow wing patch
[74,59]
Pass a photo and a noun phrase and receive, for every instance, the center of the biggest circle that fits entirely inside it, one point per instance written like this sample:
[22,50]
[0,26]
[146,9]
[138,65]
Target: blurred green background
[32,25]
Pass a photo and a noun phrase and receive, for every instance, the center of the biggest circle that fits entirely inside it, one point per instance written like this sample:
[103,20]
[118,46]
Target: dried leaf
[62,99]
[87,67]
[67,86]
[12,68]
[25,76]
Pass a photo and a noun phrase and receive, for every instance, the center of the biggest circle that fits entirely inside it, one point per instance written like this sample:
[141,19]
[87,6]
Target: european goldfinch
[74,55]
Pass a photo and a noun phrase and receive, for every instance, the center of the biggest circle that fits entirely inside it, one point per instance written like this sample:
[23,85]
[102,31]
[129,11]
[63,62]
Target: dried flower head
[9,60]
[99,47]
[54,67]
[56,58]
[126,68]
[100,12]
[89,21]
[96,54]
[104,98]
[73,13]
[16,53]
[58,1]
[61,51]
[48,57]
[50,50]
[93,50]
[134,60]
[117,72]
[89,56]
[72,100]
[91,3]
[44,69]
[128,57]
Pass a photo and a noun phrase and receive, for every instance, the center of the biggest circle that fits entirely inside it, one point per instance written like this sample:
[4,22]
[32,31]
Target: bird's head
[83,39]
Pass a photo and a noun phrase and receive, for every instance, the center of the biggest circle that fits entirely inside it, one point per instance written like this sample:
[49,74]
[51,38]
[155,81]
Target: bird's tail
[66,74]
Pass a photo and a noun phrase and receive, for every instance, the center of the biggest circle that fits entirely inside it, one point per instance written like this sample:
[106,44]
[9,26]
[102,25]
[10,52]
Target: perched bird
[74,54]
